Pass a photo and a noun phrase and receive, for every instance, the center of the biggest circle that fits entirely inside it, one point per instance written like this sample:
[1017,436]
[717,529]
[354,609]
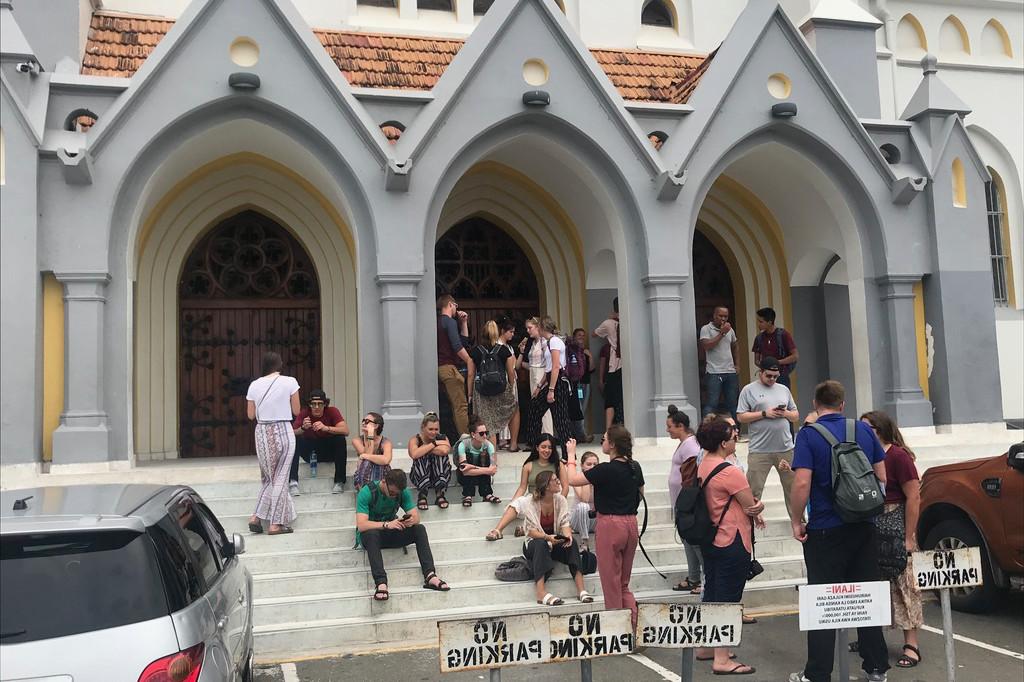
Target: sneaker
[876,676]
[798,677]
[293,488]
[338,488]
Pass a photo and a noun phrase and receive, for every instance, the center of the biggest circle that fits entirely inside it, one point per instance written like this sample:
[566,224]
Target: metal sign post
[585,636]
[842,651]
[688,626]
[944,570]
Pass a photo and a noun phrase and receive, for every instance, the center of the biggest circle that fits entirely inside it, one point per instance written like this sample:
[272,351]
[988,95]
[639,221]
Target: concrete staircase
[313,590]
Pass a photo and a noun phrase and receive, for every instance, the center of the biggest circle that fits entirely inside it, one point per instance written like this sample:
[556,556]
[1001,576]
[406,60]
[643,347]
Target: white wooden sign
[590,635]
[844,605]
[945,569]
[690,625]
[493,642]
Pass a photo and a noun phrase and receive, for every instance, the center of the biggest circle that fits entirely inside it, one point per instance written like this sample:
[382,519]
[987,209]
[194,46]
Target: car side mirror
[237,544]
[1016,457]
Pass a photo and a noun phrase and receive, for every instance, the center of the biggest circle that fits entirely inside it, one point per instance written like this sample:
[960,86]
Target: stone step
[420,628]
[484,593]
[319,572]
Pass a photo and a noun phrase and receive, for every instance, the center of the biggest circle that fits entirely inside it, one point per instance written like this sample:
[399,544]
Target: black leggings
[542,558]
[374,541]
[560,419]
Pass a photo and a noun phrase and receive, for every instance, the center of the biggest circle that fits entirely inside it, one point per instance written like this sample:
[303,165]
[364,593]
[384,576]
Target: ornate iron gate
[248,287]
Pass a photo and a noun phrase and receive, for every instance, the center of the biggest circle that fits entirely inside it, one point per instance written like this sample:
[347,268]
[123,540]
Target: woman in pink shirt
[731,506]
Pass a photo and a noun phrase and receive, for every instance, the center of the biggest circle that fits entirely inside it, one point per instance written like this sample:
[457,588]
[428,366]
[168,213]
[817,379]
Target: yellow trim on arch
[53,360]
[234,160]
[922,341]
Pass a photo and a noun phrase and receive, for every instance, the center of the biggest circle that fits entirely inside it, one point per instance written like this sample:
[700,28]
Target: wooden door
[248,287]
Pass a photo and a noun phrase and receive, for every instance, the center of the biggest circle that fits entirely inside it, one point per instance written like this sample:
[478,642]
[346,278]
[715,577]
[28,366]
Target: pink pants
[616,541]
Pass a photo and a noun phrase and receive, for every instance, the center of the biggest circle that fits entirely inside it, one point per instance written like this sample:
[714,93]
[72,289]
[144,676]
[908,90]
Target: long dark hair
[535,454]
[886,428]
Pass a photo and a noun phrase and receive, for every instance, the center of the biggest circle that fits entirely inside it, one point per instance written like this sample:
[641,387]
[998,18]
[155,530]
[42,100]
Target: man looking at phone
[768,407]
[377,528]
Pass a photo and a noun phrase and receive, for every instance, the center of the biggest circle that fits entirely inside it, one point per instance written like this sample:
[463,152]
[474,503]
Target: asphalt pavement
[990,648]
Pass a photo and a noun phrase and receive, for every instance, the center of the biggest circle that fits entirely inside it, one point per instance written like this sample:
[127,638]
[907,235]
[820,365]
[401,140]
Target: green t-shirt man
[377,506]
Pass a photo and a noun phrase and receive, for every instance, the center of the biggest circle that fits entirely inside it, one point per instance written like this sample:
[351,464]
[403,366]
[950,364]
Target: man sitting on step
[377,528]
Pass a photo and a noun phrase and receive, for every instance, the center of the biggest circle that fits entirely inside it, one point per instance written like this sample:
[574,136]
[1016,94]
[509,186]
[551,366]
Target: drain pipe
[880,8]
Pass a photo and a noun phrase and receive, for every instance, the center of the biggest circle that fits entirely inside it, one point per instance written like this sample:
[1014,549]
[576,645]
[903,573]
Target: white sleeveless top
[272,395]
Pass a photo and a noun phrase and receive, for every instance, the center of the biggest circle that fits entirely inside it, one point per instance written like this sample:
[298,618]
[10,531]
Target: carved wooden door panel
[247,288]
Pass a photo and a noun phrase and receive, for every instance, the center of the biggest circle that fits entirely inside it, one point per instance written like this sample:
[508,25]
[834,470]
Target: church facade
[180,194]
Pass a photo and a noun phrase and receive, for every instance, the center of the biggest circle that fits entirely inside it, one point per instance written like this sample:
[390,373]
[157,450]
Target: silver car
[120,582]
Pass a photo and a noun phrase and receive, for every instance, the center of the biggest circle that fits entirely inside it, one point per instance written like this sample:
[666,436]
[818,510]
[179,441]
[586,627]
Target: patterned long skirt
[275,448]
[431,472]
[496,410]
[906,598]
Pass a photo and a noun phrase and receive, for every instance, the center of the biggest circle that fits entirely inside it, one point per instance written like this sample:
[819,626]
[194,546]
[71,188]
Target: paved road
[774,646]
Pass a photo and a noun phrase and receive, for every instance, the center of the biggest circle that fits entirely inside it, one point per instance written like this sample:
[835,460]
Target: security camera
[28,67]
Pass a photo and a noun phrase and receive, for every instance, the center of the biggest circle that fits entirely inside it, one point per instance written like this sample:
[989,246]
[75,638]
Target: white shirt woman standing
[273,401]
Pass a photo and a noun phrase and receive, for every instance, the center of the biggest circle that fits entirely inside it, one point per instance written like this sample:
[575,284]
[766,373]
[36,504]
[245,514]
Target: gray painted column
[83,434]
[402,410]
[905,400]
[665,297]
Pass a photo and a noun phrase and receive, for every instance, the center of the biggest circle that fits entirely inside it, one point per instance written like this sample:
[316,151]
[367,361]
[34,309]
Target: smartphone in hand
[406,517]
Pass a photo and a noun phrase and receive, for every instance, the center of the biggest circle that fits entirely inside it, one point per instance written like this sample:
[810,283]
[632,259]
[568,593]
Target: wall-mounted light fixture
[784,110]
[243,80]
[536,98]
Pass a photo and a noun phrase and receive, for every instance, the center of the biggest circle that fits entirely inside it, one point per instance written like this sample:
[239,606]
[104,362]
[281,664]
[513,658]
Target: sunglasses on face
[316,402]
[369,421]
[482,433]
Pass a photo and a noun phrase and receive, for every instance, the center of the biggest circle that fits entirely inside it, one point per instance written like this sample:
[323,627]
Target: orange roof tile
[119,43]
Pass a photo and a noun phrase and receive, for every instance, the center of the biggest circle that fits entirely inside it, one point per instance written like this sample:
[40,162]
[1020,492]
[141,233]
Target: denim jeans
[723,391]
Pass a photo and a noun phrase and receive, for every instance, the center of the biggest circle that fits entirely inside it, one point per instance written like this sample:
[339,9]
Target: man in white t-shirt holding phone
[721,383]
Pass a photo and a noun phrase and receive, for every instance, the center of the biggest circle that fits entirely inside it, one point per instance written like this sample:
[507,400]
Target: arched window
[657,13]
[439,5]
[79,120]
[995,41]
[959,184]
[953,37]
[480,7]
[910,37]
[998,239]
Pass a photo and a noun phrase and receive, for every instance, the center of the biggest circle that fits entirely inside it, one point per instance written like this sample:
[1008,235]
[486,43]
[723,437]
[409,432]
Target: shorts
[613,389]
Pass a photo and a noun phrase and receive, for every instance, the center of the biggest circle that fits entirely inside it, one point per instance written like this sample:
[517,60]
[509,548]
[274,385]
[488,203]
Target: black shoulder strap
[780,343]
[632,469]
[714,473]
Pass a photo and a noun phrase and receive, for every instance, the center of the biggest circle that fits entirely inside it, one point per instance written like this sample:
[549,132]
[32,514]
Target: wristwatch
[764,414]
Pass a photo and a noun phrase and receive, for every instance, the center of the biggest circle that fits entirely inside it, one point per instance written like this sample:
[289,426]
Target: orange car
[978,503]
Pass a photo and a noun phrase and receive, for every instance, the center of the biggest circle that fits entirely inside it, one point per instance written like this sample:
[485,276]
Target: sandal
[439,586]
[586,597]
[492,499]
[256,528]
[551,600]
[467,501]
[905,661]
[442,503]
[732,657]
[421,503]
[495,534]
[283,530]
[750,670]
[687,586]
[381,594]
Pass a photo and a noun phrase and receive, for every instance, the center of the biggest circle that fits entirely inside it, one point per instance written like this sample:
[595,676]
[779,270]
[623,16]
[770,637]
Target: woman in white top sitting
[554,391]
[550,539]
[273,401]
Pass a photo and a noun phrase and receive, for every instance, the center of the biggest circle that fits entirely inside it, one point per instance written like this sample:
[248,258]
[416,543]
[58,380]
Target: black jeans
[374,541]
[542,558]
[473,483]
[560,420]
[330,449]
[848,553]
[725,571]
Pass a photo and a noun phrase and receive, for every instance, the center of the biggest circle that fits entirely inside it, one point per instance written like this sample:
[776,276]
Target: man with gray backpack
[839,467]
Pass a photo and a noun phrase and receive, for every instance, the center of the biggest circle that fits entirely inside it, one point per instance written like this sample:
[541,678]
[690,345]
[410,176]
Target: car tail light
[183,666]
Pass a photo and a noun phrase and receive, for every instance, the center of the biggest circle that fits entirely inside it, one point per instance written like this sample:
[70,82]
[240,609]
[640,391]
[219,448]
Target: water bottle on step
[312,465]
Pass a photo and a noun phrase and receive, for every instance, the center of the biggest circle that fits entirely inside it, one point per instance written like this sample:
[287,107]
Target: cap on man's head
[769,363]
[318,394]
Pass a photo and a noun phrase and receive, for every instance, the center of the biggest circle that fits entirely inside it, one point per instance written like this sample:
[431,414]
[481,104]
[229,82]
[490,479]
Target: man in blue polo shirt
[834,551]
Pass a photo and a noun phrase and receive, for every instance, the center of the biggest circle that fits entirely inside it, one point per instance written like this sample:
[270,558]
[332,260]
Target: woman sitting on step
[431,466]
[374,451]
[546,518]
[583,517]
[542,458]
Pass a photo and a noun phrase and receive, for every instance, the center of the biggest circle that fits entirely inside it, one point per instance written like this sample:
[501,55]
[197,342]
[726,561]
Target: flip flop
[442,503]
[283,530]
[688,586]
[256,528]
[492,499]
[905,661]
[732,657]
[441,585]
[551,600]
[494,535]
[750,670]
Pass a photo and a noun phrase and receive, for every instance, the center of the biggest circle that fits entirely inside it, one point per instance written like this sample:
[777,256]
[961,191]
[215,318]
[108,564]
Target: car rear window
[58,584]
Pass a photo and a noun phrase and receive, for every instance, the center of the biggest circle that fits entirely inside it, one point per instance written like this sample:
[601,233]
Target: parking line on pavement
[665,673]
[974,642]
[291,674]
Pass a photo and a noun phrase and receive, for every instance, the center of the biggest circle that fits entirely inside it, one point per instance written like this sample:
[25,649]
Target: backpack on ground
[516,569]
[693,520]
[491,377]
[575,361]
[857,495]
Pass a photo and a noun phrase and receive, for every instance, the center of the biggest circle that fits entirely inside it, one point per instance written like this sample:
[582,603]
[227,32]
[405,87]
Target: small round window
[244,52]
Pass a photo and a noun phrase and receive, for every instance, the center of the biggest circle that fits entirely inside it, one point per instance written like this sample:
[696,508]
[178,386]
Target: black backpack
[491,377]
[856,491]
[693,520]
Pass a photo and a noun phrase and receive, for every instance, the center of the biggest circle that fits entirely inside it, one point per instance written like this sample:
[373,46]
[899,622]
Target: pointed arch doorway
[247,287]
